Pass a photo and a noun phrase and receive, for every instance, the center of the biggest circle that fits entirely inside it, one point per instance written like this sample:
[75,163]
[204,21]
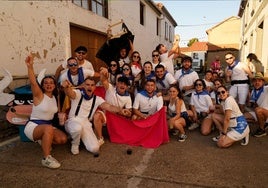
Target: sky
[194,17]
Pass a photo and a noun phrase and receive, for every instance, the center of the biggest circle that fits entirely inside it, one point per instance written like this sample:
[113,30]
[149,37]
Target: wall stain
[48,20]
[53,45]
[45,53]
[55,34]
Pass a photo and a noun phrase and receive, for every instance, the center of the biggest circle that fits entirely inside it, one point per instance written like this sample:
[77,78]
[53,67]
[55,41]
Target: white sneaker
[75,149]
[245,140]
[50,162]
[101,141]
[216,138]
[193,126]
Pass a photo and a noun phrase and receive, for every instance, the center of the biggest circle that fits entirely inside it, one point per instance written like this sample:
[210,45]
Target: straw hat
[258,75]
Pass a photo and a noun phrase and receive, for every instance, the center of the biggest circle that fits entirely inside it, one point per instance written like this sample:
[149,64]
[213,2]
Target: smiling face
[150,87]
[147,68]
[222,93]
[73,66]
[173,92]
[229,58]
[48,85]
[81,55]
[198,86]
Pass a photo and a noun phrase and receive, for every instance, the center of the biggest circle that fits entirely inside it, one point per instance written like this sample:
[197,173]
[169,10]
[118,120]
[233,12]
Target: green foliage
[191,41]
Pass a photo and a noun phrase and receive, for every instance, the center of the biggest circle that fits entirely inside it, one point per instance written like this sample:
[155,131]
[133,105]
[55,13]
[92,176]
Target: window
[142,14]
[166,30]
[99,7]
[157,26]
[170,34]
[195,55]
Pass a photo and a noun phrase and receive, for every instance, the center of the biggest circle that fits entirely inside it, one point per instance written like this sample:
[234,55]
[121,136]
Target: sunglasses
[198,85]
[155,55]
[83,53]
[221,92]
[228,58]
[125,69]
[136,56]
[72,65]
[113,65]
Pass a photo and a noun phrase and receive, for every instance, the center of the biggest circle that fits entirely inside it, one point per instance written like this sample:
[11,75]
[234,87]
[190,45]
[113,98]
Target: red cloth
[100,91]
[149,133]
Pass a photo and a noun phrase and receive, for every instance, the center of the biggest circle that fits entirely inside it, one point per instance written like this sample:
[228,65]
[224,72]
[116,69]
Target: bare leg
[206,126]
[262,115]
[98,123]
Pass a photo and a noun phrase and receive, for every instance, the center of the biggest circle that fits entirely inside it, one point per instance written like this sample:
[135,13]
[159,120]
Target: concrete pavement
[195,163]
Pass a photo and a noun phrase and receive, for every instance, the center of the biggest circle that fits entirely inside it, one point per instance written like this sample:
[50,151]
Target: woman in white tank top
[39,127]
[177,112]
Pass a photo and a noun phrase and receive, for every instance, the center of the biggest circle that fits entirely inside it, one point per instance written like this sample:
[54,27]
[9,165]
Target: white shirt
[85,106]
[86,72]
[85,65]
[201,102]
[168,61]
[112,97]
[149,105]
[168,80]
[186,80]
[263,98]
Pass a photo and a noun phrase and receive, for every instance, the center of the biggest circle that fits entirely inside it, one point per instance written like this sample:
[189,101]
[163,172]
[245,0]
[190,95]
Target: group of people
[136,90]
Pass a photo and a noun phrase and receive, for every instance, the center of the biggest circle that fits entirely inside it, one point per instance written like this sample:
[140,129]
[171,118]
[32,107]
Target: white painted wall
[43,28]
[249,33]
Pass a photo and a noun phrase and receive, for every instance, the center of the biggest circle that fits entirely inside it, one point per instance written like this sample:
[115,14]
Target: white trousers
[240,91]
[80,128]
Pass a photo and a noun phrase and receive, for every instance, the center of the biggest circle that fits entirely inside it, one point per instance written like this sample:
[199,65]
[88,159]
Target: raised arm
[36,90]
[68,90]
[104,78]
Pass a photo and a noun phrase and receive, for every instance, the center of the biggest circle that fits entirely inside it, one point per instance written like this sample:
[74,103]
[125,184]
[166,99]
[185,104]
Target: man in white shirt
[83,105]
[80,55]
[186,77]
[167,57]
[117,96]
[259,101]
[147,102]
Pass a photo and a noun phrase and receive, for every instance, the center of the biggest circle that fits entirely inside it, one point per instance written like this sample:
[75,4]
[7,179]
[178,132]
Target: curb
[9,141]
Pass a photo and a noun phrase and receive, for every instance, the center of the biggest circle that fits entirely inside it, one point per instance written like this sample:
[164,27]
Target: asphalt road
[195,163]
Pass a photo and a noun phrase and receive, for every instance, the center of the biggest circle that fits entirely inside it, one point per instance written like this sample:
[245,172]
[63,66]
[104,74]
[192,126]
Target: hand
[66,84]
[29,60]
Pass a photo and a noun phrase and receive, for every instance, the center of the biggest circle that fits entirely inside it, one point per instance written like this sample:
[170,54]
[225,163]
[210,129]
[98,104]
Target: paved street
[195,163]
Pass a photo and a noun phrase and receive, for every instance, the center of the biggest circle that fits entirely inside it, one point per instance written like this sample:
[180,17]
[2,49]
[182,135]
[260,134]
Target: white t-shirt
[231,104]
[167,81]
[149,105]
[186,80]
[86,72]
[112,97]
[85,106]
[263,98]
[85,65]
[168,62]
[202,102]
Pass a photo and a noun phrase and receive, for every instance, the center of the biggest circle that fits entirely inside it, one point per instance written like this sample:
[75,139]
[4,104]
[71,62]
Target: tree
[191,41]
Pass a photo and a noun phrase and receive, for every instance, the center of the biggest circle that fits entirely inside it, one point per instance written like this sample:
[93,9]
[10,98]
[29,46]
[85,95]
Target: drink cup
[62,118]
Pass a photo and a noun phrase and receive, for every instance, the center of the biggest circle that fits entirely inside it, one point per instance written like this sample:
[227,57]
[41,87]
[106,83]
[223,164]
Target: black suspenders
[79,105]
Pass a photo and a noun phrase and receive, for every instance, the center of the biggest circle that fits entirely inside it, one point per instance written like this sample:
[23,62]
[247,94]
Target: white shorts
[29,129]
[234,135]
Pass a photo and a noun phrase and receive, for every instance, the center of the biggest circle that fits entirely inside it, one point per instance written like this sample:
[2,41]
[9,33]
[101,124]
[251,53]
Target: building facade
[53,29]
[254,30]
